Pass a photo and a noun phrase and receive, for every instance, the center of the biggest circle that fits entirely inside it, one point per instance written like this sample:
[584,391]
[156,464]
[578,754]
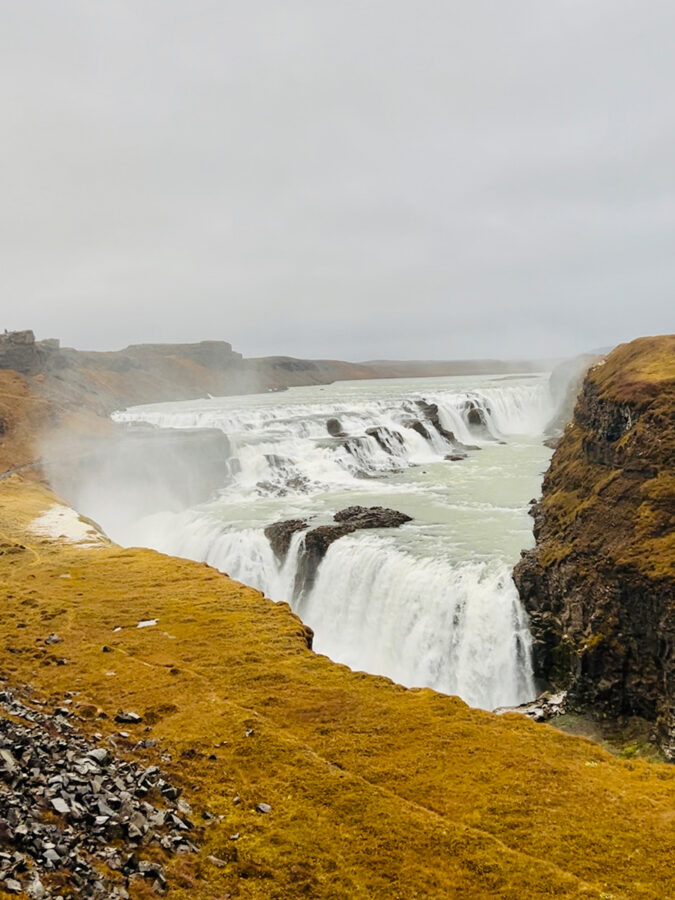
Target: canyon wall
[599,584]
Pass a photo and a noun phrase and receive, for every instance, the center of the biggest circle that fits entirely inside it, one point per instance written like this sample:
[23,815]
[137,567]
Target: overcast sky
[428,179]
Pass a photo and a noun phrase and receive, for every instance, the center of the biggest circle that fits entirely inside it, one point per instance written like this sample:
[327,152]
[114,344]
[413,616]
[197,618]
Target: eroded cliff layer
[599,585]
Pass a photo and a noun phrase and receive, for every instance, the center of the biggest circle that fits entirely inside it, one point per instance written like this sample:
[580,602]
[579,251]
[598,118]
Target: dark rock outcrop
[280,535]
[600,583]
[20,352]
[319,539]
[430,411]
[334,428]
[349,520]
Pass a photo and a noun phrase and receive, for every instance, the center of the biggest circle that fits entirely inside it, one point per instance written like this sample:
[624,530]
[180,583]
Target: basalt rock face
[347,521]
[280,535]
[600,584]
[318,540]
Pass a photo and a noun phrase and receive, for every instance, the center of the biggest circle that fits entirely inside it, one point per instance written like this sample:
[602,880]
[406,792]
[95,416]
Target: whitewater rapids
[429,604]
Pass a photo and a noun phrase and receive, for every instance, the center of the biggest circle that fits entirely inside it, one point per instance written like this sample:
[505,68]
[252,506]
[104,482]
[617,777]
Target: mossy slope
[600,583]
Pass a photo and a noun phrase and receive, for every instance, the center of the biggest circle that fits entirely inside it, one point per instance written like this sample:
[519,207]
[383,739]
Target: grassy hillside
[375,791]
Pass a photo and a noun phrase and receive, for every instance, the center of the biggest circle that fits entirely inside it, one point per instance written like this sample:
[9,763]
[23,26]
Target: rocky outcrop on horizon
[600,583]
[20,352]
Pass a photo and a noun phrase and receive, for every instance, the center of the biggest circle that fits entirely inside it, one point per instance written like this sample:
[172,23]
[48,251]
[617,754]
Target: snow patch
[63,523]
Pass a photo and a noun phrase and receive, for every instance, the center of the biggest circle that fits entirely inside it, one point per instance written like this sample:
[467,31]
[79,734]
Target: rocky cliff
[20,352]
[599,585]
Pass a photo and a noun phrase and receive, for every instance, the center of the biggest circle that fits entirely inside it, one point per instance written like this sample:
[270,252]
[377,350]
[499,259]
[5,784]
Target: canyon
[337,783]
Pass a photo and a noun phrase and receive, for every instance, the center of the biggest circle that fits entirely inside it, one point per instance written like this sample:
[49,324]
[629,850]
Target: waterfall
[455,626]
[286,447]
[429,604]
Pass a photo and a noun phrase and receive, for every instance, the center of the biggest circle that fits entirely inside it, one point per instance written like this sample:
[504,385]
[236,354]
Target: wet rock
[335,429]
[431,415]
[349,520]
[546,706]
[371,517]
[477,419]
[280,535]
[387,438]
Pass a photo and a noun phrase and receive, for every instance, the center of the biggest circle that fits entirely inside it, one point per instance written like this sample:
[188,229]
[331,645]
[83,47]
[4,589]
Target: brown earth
[600,584]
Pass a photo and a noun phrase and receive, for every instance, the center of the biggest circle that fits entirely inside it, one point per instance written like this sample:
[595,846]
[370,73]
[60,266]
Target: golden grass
[376,791]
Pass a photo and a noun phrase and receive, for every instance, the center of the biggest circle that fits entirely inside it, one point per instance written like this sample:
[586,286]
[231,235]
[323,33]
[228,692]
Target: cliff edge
[599,584]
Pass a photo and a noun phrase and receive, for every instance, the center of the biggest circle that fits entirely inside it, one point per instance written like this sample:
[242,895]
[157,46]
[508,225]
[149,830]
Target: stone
[35,889]
[348,520]
[263,808]
[69,764]
[334,428]
[128,718]
[60,805]
[7,761]
[280,535]
[100,755]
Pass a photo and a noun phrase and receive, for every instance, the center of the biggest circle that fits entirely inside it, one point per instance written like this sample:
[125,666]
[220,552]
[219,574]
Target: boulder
[335,429]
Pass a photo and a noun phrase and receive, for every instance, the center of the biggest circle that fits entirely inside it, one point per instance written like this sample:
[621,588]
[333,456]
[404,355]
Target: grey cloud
[354,180]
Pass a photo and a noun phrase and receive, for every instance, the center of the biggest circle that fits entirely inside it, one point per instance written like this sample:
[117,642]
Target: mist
[135,471]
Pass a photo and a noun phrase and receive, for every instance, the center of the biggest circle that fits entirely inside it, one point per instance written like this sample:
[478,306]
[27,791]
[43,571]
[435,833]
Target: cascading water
[429,604]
